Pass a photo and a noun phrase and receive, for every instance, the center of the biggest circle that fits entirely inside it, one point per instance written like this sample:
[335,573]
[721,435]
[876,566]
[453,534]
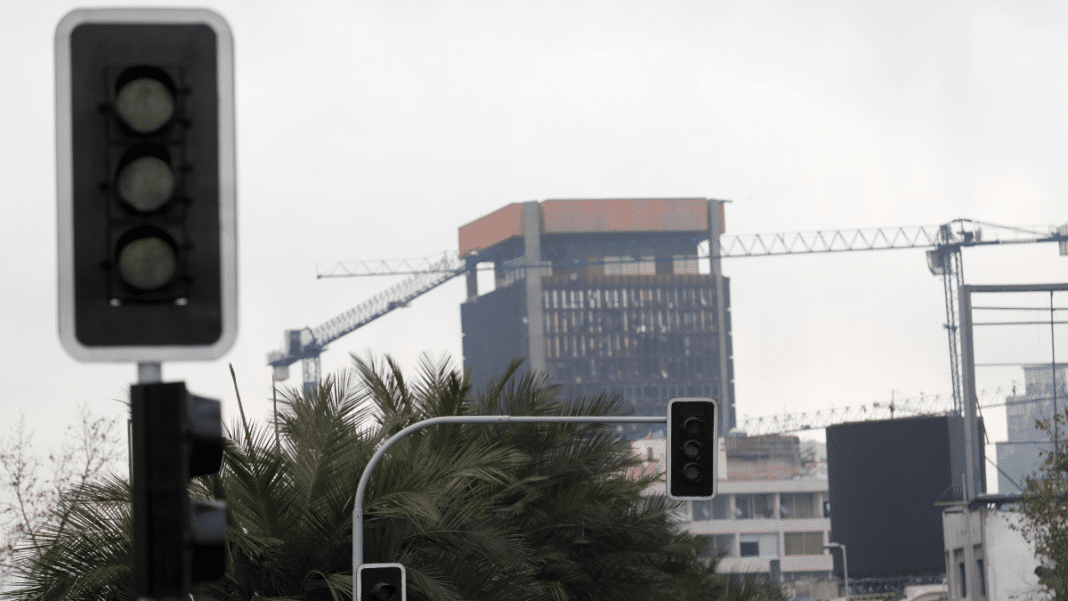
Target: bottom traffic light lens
[383,591]
[147,263]
[692,472]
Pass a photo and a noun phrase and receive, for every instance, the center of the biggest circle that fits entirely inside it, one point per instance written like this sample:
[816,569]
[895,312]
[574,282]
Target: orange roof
[679,215]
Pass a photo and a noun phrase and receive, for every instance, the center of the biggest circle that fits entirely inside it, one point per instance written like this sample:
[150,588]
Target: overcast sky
[374,129]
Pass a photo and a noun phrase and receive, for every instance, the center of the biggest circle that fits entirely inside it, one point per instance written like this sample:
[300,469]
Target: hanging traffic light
[692,448]
[381,582]
[178,541]
[145,184]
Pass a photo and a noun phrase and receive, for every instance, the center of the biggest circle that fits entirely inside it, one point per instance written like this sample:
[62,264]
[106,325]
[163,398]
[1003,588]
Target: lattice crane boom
[307,344]
[428,273]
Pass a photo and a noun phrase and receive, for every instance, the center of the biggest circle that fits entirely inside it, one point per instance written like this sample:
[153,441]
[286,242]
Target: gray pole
[361,489]
[845,564]
[149,372]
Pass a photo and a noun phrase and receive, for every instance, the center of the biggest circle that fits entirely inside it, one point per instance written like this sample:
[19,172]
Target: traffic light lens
[692,472]
[145,104]
[147,263]
[384,591]
[691,449]
[146,183]
[692,426]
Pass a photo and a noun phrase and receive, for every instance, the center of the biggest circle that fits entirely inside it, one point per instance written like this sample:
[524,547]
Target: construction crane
[944,259]
[936,404]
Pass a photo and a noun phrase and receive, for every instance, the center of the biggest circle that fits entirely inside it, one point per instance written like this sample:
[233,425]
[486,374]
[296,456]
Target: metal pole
[149,372]
[274,395]
[845,570]
[971,425]
[361,489]
[1053,359]
[845,564]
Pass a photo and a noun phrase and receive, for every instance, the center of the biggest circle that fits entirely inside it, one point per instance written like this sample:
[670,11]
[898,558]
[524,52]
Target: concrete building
[1026,446]
[769,513]
[1003,562]
[604,296]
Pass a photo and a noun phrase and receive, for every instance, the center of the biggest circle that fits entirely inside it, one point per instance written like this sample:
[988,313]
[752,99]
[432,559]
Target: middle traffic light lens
[691,448]
[146,183]
[145,104]
[147,263]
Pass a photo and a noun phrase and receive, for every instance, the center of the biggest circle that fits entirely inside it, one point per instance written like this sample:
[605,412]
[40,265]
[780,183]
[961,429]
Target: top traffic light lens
[145,104]
[692,426]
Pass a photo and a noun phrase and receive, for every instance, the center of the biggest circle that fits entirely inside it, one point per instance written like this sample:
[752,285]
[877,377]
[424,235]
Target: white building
[1024,451]
[986,559]
[768,507]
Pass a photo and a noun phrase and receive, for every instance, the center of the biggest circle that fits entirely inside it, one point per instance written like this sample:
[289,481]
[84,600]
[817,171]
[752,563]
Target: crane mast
[425,274]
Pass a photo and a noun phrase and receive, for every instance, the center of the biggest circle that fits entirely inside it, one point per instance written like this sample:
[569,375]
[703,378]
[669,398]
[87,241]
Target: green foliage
[475,512]
[1046,515]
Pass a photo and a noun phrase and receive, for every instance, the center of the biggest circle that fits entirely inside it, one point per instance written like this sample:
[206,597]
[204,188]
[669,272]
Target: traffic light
[145,184]
[178,541]
[381,582]
[692,448]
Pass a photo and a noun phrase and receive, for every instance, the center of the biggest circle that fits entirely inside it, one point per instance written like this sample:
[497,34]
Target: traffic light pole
[361,489]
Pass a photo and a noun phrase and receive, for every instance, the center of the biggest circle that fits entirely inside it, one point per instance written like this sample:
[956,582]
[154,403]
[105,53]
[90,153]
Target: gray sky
[375,129]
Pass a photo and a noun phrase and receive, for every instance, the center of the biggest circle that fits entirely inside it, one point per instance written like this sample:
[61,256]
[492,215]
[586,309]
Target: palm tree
[523,512]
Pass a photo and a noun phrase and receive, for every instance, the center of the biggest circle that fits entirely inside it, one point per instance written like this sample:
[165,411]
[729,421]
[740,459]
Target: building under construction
[604,296]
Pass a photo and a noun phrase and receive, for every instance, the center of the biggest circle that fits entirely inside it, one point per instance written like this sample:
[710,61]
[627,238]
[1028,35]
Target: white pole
[361,488]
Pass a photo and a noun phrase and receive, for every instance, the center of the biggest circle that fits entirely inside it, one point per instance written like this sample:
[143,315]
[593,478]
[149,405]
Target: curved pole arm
[361,489]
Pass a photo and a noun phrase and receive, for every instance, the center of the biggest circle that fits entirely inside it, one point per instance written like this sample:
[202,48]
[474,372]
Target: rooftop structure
[604,296]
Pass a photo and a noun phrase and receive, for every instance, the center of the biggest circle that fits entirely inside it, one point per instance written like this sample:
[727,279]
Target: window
[982,577]
[803,543]
[752,507]
[720,506]
[716,509]
[797,505]
[741,508]
[759,545]
[762,506]
[961,585]
[718,545]
[702,510]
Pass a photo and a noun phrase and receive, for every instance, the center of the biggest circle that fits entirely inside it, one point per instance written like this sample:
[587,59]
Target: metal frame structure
[972,477]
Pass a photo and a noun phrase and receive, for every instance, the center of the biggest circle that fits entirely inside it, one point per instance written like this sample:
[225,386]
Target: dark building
[884,479]
[604,296]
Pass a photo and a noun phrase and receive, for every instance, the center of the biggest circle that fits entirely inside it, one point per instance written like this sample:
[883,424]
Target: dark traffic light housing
[692,448]
[178,541]
[146,184]
[381,582]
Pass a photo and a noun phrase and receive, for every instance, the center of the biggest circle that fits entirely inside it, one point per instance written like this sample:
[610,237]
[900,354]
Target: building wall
[648,338]
[494,332]
[752,522]
[1001,564]
[1024,451]
[884,474]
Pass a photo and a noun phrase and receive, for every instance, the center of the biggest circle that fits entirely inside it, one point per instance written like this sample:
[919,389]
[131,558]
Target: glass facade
[648,338]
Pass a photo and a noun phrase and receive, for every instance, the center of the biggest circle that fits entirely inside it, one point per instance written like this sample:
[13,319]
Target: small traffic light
[692,448]
[381,582]
[145,184]
[178,541]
